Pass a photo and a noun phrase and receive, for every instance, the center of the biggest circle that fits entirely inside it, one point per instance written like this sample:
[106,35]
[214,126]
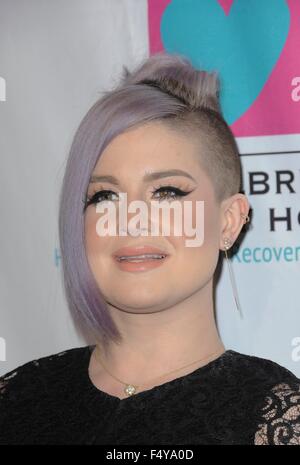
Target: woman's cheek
[94,243]
[202,257]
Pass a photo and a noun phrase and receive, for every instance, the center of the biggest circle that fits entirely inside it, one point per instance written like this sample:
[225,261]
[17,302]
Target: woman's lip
[142,266]
[138,250]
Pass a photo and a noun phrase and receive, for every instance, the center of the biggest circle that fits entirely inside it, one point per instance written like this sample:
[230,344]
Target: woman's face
[186,270]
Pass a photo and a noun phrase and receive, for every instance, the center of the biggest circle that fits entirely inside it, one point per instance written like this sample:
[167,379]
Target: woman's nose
[142,209]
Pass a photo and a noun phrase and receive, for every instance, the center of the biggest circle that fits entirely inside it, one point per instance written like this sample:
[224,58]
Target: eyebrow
[147,177]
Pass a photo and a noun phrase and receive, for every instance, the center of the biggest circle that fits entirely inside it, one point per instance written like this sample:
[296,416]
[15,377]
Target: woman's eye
[99,197]
[170,192]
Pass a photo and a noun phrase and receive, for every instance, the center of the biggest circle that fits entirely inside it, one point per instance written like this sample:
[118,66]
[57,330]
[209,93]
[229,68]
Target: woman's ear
[234,211]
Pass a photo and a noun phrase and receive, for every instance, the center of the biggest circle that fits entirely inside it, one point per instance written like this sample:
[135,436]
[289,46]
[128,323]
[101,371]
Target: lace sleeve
[280,416]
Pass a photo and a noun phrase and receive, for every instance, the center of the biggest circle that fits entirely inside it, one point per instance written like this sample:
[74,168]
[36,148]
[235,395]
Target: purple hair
[167,88]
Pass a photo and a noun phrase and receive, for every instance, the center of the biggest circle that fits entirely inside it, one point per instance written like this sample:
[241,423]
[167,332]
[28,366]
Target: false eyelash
[178,192]
[92,199]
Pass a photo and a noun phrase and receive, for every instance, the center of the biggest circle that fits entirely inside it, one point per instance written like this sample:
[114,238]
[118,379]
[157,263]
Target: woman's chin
[139,304]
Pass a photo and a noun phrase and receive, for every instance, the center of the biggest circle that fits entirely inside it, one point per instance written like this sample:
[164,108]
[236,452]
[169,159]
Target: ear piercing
[227,245]
[227,241]
[246,218]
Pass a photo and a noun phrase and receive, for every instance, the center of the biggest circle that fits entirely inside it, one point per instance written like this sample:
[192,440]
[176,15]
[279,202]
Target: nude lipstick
[139,258]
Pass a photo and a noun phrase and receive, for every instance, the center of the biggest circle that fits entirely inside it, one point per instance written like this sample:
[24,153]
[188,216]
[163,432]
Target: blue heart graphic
[243,46]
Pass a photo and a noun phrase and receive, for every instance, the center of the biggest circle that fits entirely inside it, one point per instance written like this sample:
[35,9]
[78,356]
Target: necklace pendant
[130,389]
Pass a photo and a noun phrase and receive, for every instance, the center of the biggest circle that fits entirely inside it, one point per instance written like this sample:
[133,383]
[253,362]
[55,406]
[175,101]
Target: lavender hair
[166,88]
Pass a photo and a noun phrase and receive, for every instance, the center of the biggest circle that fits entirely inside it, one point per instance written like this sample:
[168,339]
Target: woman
[157,371]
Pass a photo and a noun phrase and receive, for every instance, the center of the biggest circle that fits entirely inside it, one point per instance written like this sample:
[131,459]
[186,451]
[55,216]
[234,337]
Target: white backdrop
[56,57]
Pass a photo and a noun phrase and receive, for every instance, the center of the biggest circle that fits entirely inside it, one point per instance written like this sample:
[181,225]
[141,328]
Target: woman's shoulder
[32,372]
[264,368]
[262,375]
[38,393]
[275,390]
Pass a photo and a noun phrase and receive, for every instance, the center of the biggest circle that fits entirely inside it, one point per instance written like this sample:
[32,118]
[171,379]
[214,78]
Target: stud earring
[227,245]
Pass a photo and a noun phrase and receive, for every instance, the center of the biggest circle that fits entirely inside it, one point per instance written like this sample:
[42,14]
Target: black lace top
[234,399]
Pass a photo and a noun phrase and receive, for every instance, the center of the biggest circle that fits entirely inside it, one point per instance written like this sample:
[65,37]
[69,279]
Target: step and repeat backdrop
[55,60]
